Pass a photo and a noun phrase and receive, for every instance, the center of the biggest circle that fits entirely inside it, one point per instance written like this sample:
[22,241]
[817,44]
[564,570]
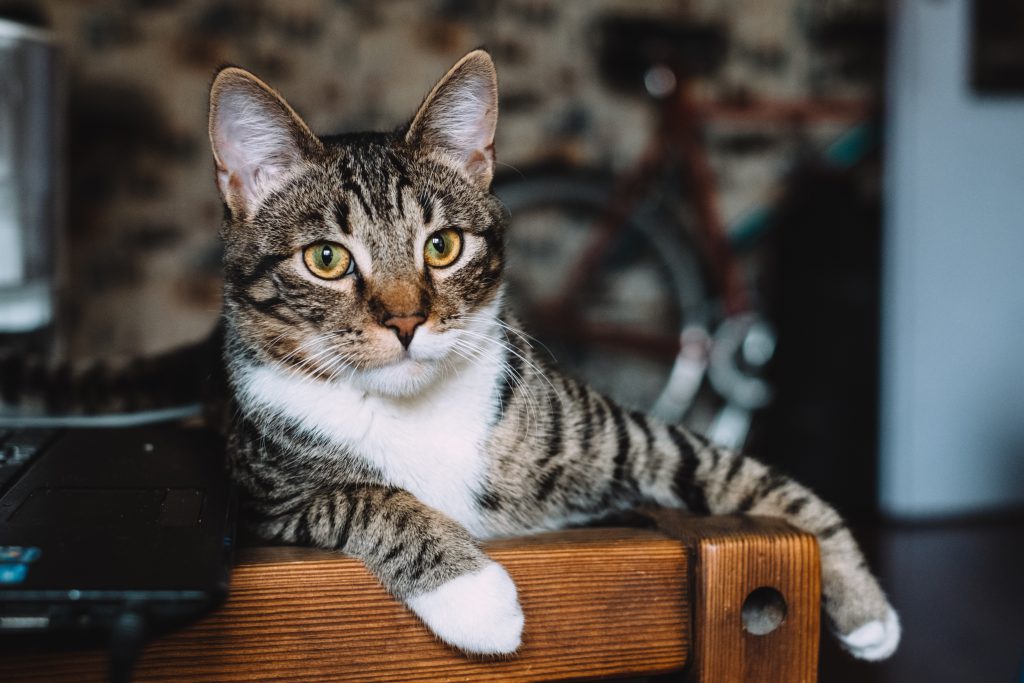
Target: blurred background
[795,225]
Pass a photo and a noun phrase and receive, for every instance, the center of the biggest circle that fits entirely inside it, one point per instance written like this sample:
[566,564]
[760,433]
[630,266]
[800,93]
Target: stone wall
[143,266]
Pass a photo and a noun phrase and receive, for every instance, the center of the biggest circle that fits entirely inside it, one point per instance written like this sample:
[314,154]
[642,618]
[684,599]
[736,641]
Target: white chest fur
[431,444]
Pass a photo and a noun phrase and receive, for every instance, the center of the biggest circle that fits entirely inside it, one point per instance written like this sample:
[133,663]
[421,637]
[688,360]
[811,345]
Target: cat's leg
[421,556]
[604,457]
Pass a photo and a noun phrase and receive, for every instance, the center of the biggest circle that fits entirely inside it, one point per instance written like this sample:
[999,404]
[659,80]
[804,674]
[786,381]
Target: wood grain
[598,603]
[730,558]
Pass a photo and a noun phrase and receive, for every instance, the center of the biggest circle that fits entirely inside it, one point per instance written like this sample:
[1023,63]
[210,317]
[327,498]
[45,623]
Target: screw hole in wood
[763,611]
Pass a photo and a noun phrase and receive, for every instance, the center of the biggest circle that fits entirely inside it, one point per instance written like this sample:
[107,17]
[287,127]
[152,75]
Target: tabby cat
[384,402]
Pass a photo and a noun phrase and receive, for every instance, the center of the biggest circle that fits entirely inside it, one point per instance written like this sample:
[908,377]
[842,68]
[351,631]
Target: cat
[382,400]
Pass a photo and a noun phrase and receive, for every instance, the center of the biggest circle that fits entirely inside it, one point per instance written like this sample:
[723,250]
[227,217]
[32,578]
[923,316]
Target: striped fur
[343,438]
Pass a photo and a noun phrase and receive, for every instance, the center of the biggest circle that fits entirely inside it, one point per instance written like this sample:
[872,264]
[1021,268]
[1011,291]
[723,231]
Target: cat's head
[373,258]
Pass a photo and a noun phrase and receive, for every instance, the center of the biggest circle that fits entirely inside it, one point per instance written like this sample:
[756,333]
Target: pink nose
[405,326]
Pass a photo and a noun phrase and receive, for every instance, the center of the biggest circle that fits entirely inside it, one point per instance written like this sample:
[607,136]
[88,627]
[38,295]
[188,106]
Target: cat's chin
[401,379]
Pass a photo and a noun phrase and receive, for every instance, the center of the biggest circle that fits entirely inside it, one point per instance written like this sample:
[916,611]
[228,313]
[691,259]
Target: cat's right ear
[458,117]
[258,141]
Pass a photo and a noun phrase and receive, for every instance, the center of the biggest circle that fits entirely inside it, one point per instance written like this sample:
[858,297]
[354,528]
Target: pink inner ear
[477,138]
[254,152]
[233,183]
[459,117]
[466,125]
[481,162]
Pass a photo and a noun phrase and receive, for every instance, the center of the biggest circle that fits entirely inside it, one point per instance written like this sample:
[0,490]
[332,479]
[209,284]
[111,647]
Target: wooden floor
[959,589]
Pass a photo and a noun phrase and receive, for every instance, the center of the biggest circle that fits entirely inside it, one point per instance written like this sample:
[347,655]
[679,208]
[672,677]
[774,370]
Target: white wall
[953,314]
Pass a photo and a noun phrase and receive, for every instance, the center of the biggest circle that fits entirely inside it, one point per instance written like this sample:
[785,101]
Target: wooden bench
[600,602]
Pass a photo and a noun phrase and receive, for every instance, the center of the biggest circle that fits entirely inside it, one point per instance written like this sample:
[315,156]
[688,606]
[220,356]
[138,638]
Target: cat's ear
[459,115]
[258,140]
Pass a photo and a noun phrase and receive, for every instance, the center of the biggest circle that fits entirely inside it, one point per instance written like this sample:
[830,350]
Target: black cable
[127,637]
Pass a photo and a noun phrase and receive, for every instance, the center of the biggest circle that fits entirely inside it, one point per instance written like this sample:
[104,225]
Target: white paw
[476,612]
[875,639]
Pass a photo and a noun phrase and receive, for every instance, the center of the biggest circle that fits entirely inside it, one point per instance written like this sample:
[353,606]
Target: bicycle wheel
[623,336]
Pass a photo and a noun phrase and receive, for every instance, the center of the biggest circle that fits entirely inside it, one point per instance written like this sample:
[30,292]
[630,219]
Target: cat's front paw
[477,612]
[874,640]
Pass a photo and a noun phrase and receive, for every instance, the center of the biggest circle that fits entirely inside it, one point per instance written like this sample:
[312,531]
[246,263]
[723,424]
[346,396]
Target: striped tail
[33,385]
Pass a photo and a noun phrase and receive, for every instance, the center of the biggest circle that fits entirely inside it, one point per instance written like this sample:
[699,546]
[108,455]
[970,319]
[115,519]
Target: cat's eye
[442,248]
[328,260]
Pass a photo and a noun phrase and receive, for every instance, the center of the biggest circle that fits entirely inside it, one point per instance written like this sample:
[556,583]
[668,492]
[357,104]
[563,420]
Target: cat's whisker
[517,378]
[311,361]
[509,166]
[474,353]
[511,349]
[315,340]
[339,366]
[306,360]
[266,346]
[343,362]
[527,338]
[447,367]
[328,372]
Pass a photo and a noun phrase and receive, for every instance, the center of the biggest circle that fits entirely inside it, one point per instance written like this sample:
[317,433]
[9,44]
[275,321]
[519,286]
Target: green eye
[442,248]
[328,260]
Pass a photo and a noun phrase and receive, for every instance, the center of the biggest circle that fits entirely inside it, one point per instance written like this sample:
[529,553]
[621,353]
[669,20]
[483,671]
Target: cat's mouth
[381,365]
[407,371]
[386,352]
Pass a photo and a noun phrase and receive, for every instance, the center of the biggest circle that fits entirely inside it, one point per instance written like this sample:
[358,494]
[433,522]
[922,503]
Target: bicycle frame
[679,134]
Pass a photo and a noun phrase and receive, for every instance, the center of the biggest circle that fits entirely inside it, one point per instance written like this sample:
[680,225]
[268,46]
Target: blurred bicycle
[635,282]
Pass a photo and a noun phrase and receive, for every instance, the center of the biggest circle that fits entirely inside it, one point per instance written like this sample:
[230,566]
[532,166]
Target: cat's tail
[169,385]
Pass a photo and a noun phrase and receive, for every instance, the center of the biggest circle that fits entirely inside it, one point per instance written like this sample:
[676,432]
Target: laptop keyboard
[17,448]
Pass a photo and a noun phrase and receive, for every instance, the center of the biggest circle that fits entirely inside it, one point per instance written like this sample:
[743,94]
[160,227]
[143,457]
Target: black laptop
[121,532]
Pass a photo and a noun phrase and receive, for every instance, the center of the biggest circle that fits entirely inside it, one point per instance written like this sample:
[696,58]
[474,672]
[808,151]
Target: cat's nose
[405,326]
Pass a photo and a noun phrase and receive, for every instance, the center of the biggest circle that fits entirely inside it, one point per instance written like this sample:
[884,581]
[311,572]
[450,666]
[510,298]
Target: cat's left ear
[459,116]
[259,142]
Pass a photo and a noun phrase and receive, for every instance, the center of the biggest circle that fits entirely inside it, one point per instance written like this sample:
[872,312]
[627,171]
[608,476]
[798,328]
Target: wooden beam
[731,558]
[598,603]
